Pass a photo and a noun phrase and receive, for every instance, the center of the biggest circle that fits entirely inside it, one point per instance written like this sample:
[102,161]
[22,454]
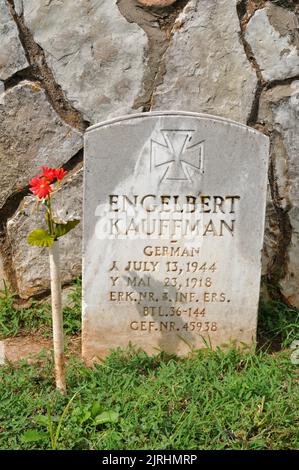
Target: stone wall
[65,65]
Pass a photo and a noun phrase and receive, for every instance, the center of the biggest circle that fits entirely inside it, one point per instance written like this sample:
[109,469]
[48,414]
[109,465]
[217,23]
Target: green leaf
[41,420]
[33,436]
[63,229]
[85,417]
[95,409]
[106,417]
[40,237]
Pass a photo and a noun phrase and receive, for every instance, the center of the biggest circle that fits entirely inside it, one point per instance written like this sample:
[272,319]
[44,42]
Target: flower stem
[57,319]
[51,223]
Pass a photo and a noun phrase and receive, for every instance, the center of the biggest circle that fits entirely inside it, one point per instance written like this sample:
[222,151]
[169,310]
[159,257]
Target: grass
[36,317]
[278,324]
[211,400]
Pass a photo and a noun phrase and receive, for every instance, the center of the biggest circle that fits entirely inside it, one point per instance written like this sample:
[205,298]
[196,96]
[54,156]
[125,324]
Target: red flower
[52,174]
[48,173]
[40,187]
[60,173]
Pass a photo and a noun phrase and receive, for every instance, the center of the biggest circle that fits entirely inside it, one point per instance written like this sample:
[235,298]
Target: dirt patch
[28,347]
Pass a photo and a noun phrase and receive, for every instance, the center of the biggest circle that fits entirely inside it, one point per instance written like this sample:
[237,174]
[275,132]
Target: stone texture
[2,274]
[31,264]
[31,134]
[107,65]
[289,284]
[279,110]
[271,237]
[18,7]
[12,54]
[273,35]
[96,56]
[156,3]
[138,256]
[206,66]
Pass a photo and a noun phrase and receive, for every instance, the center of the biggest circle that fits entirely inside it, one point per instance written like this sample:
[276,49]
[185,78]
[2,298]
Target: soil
[30,345]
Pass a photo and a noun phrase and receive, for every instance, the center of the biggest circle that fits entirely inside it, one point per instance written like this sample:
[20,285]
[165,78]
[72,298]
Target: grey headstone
[174,207]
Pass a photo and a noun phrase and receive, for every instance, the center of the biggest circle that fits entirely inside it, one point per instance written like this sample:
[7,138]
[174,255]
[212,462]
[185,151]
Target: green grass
[37,316]
[278,324]
[211,400]
[72,312]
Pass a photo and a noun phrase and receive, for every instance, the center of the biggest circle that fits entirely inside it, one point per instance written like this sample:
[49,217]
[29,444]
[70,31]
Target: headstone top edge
[202,116]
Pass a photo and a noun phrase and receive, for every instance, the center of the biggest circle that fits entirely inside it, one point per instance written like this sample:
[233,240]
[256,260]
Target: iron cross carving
[177,155]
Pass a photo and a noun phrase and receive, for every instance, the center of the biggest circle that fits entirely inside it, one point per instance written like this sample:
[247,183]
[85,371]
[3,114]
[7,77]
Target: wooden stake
[57,320]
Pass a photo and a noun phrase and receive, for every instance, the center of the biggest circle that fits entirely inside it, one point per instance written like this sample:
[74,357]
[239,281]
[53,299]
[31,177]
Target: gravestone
[174,207]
